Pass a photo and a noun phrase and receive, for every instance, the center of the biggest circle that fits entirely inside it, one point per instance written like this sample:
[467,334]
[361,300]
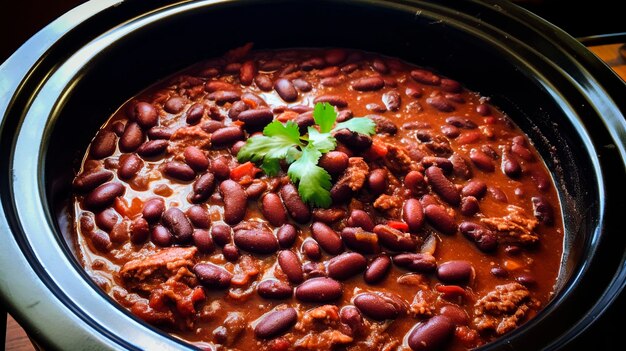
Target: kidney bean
[174,104]
[106,219]
[179,171]
[220,167]
[256,119]
[392,100]
[263,82]
[349,68]
[455,272]
[522,151]
[377,270]
[458,98]
[440,219]
[497,194]
[415,183]
[329,215]
[117,127]
[376,307]
[226,136]
[274,289]
[291,266]
[87,222]
[202,188]
[286,90]
[236,108]
[541,180]
[270,65]
[153,209]
[335,56]
[178,224]
[460,168]
[440,103]
[379,66]
[335,162]
[360,218]
[199,217]
[346,265]
[481,160]
[432,334]
[273,209]
[499,272]
[286,235]
[542,210]
[461,122]
[413,214]
[100,240]
[331,81]
[132,138]
[160,133]
[130,165]
[327,238]
[216,85]
[353,140]
[450,131]
[313,63]
[312,249]
[255,189]
[203,241]
[194,113]
[469,206]
[152,148]
[319,290]
[103,195]
[221,234]
[259,241]
[456,314]
[212,276]
[351,317]
[394,239]
[276,323]
[377,181]
[526,279]
[103,145]
[441,162]
[510,166]
[139,230]
[383,124]
[302,85]
[235,201]
[442,186]
[484,238]
[196,159]
[222,97]
[330,71]
[425,77]
[334,100]
[476,188]
[231,252]
[416,262]
[145,115]
[374,107]
[88,181]
[368,83]
[451,86]
[360,240]
[247,72]
[161,236]
[297,209]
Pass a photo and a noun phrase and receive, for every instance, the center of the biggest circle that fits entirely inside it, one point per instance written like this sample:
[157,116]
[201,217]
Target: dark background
[20,19]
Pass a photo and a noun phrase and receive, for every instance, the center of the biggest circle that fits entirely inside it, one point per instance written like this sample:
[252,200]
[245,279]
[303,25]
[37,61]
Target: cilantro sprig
[302,152]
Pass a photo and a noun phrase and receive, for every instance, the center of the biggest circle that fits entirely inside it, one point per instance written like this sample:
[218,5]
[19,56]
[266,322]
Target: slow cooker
[60,86]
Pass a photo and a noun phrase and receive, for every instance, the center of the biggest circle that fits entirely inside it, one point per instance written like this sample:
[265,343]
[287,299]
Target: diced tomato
[398,225]
[451,291]
[238,123]
[197,295]
[287,116]
[250,102]
[376,151]
[246,169]
[121,206]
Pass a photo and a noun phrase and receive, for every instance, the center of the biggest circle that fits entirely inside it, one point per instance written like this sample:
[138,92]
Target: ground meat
[187,136]
[146,273]
[325,340]
[389,204]
[423,304]
[354,176]
[397,159]
[327,314]
[325,317]
[503,309]
[515,227]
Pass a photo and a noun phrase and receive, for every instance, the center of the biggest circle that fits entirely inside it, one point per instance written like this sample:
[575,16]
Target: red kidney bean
[368,83]
[429,200]
[383,124]
[259,241]
[526,279]
[413,214]
[203,241]
[263,82]
[129,166]
[256,119]
[461,122]
[440,103]
[276,323]
[377,270]
[302,85]
[274,289]
[450,131]
[160,133]
[161,236]
[235,201]
[291,266]
[497,194]
[152,148]
[174,105]
[132,138]
[212,126]
[416,262]
[255,189]
[360,218]
[476,188]
[178,224]
[329,215]
[203,187]
[196,159]
[499,272]
[376,307]
[226,136]
[195,113]
[314,269]
[304,120]
[319,290]
[90,180]
[179,171]
[199,216]
[541,180]
[139,231]
[221,234]
[153,209]
[273,209]
[432,334]
[460,168]
[223,97]
[220,167]
[247,72]
[392,100]
[212,276]
[440,219]
[103,195]
[231,252]
[441,162]
[425,77]
[87,222]
[107,218]
[330,71]
[353,140]
[360,240]
[100,240]
[234,150]
[482,160]
[335,56]
[286,235]
[346,265]
[510,166]
[349,68]
[374,107]
[542,210]
[458,98]
[442,186]
[469,206]
[379,66]
[312,249]
[286,90]
[216,85]
[118,128]
[522,151]
[415,183]
[103,145]
[344,115]
[455,272]
[377,181]
[146,115]
[451,86]
[456,314]
[394,239]
[351,317]
[331,81]
[327,238]
[313,63]
[297,209]
[335,162]
[334,100]
[484,238]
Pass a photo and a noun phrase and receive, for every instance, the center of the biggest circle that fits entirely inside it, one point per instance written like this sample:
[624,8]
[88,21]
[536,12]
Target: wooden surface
[16,339]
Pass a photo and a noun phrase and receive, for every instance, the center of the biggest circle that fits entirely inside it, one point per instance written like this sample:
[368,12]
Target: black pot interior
[533,92]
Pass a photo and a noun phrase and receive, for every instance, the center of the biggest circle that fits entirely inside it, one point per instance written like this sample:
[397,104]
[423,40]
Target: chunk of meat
[503,309]
[515,227]
[423,304]
[327,314]
[397,159]
[391,205]
[326,340]
[189,136]
[146,273]
[354,176]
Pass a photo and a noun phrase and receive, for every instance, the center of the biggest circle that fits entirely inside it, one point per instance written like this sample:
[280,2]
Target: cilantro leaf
[361,125]
[288,131]
[325,116]
[313,181]
[323,142]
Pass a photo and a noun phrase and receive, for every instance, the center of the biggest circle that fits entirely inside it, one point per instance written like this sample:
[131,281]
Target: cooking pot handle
[603,39]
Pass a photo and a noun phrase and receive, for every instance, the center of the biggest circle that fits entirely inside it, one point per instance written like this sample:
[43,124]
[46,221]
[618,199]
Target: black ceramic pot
[59,87]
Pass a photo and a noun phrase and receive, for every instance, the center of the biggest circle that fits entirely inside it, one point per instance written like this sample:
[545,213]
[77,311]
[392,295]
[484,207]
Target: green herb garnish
[302,152]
